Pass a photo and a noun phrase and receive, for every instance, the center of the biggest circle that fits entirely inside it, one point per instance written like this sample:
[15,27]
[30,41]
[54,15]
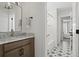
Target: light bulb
[9,4]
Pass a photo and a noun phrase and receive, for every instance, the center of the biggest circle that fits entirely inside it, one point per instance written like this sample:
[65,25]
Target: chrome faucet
[12,32]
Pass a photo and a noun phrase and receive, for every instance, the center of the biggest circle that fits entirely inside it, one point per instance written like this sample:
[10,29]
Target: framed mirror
[10,16]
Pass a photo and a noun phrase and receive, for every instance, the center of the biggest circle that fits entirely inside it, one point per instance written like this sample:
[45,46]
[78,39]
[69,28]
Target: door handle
[21,52]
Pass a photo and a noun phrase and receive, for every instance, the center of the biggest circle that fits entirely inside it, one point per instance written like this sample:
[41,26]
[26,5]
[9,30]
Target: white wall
[53,5]
[75,36]
[37,10]
[77,21]
[76,26]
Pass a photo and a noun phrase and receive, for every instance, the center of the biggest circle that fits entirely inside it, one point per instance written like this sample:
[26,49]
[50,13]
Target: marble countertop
[15,38]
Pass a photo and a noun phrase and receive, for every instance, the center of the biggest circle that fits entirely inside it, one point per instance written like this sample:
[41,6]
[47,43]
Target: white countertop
[16,38]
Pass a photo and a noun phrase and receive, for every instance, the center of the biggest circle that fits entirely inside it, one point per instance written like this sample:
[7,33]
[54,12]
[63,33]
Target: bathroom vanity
[14,43]
[17,47]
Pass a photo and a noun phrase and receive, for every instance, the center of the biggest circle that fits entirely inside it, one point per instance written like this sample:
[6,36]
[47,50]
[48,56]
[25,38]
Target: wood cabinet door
[1,50]
[28,50]
[13,53]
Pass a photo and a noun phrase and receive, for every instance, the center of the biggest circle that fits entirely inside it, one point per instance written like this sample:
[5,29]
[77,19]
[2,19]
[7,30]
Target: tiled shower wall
[51,28]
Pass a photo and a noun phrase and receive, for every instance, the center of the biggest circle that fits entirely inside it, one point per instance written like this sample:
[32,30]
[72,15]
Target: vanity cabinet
[25,51]
[21,48]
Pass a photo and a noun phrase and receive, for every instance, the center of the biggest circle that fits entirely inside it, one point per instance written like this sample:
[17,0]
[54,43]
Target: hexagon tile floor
[59,52]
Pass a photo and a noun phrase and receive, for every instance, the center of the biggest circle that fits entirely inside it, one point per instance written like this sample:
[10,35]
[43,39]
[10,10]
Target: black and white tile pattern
[58,52]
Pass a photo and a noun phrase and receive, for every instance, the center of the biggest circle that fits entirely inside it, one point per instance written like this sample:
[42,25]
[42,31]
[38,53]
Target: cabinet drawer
[14,45]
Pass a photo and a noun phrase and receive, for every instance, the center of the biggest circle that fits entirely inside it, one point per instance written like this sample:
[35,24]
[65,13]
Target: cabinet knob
[21,52]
